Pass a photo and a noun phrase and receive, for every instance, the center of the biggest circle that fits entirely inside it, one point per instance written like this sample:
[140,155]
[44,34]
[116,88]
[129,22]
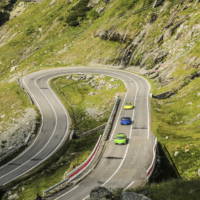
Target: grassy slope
[177,119]
[74,96]
[172,190]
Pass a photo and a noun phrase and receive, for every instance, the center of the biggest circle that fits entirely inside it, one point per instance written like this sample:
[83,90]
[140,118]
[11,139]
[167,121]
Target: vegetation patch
[176,124]
[78,13]
[172,190]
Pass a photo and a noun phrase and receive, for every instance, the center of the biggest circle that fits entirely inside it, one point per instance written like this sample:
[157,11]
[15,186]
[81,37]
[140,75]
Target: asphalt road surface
[121,165]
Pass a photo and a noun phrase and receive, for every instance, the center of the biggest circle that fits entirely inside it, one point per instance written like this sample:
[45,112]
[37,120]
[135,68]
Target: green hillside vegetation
[172,190]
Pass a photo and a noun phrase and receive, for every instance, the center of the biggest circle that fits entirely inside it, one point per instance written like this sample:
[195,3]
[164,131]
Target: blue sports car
[125,121]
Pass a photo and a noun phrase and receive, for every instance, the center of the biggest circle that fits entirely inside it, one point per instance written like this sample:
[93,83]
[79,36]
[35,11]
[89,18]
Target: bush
[4,16]
[30,30]
[78,13]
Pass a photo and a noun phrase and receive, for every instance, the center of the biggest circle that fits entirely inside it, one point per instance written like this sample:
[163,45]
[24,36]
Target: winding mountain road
[120,166]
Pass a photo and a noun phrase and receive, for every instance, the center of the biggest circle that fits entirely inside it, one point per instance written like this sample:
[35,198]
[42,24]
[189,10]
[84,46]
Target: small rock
[176,153]
[2,116]
[69,77]
[153,18]
[100,193]
[160,39]
[89,76]
[13,68]
[13,197]
[40,30]
[198,172]
[52,2]
[91,93]
[187,150]
[133,196]
[110,86]
[112,79]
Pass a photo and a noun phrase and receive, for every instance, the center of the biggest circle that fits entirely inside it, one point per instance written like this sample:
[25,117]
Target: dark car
[125,121]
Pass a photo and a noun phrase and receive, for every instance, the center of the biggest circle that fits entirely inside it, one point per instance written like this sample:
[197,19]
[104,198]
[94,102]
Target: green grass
[13,101]
[75,96]
[172,190]
[177,118]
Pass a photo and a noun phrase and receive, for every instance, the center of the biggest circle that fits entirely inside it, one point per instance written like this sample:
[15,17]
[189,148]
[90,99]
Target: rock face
[18,134]
[164,95]
[127,54]
[133,196]
[100,193]
[112,35]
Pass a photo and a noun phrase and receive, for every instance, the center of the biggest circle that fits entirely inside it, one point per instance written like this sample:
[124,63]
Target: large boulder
[133,196]
[100,193]
[164,95]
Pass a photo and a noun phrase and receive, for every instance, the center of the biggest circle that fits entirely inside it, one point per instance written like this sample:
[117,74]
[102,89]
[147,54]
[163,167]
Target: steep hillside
[160,37]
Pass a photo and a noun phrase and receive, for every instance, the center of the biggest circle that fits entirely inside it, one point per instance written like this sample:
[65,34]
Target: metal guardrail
[153,163]
[110,122]
[69,177]
[102,126]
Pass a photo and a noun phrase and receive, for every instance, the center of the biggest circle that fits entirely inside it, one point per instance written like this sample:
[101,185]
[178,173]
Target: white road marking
[129,185]
[154,156]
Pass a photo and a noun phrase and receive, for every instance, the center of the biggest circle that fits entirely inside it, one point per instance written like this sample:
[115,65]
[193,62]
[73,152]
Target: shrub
[78,13]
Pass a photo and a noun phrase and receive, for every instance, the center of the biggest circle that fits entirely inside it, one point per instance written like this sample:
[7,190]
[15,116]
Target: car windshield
[121,137]
[126,118]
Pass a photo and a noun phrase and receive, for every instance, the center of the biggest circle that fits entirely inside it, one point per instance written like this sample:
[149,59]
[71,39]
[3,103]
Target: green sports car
[120,138]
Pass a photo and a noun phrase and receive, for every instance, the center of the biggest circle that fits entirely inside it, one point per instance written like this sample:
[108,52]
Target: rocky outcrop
[161,55]
[112,35]
[100,193]
[185,82]
[133,196]
[4,16]
[164,95]
[18,135]
[153,18]
[127,53]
